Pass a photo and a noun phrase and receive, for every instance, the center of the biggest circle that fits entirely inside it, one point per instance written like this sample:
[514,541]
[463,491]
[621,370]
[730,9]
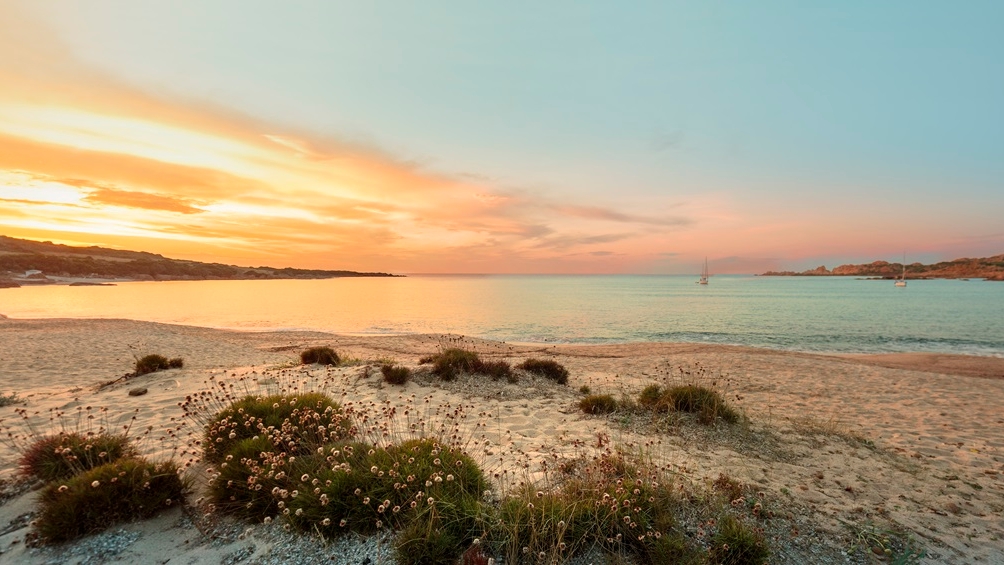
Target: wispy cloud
[142,200]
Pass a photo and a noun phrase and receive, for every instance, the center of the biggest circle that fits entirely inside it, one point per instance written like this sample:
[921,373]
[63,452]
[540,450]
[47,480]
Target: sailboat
[901,281]
[704,273]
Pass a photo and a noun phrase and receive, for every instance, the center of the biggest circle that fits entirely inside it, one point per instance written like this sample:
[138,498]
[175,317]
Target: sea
[814,314]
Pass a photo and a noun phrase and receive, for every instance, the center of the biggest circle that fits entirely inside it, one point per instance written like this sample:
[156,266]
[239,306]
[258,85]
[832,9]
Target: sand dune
[911,443]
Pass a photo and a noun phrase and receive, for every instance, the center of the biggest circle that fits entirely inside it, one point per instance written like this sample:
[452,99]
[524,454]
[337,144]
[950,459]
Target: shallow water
[832,314]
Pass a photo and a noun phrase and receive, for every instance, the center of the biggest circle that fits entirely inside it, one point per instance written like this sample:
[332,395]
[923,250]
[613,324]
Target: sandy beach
[845,445]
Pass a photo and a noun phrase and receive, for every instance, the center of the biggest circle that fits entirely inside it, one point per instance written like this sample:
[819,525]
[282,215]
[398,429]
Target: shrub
[450,362]
[584,389]
[598,404]
[151,364]
[8,399]
[65,455]
[543,523]
[395,375]
[319,355]
[497,370]
[546,368]
[247,477]
[611,503]
[737,544]
[652,398]
[176,363]
[425,542]
[708,404]
[115,492]
[295,423]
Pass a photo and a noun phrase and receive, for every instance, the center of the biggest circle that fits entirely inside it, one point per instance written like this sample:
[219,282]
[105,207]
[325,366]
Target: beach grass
[319,355]
[63,455]
[154,362]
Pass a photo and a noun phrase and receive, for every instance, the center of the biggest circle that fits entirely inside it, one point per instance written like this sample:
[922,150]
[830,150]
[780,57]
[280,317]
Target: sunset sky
[506,137]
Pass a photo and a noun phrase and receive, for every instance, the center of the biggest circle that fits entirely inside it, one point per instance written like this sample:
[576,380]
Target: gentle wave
[831,314]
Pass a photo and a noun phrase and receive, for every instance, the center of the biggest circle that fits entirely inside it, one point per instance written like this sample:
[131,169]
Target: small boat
[704,273]
[901,281]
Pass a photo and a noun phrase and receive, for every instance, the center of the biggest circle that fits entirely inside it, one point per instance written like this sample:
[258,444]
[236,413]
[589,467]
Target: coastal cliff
[989,268]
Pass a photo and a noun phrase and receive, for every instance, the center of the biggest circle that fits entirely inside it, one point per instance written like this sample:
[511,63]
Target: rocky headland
[987,268]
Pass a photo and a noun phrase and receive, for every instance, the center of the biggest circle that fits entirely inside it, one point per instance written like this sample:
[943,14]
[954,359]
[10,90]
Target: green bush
[65,455]
[115,492]
[395,375]
[319,355]
[708,404]
[254,478]
[293,423]
[452,361]
[151,364]
[449,362]
[737,544]
[598,404]
[497,370]
[363,488]
[546,368]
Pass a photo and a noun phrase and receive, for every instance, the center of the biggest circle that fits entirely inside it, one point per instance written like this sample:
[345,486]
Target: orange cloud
[143,200]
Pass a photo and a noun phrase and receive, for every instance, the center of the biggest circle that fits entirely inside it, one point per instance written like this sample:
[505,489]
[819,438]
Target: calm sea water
[831,314]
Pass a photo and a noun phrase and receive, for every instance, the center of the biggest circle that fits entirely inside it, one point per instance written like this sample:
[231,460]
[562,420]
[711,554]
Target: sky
[506,137]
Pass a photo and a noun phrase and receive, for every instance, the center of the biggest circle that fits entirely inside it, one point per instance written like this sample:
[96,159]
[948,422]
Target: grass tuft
[153,363]
[735,543]
[453,361]
[708,404]
[546,368]
[395,375]
[598,404]
[319,355]
[64,455]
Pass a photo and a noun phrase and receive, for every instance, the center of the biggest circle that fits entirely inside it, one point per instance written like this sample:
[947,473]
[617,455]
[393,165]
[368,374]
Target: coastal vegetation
[94,479]
[301,460]
[546,368]
[154,362]
[450,362]
[320,356]
[708,404]
[395,374]
[598,404]
[122,490]
[63,455]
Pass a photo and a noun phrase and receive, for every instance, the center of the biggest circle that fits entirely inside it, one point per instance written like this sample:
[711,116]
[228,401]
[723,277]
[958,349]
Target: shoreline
[967,364]
[915,449]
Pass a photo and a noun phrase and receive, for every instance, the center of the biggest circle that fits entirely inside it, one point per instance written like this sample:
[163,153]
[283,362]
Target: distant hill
[18,256]
[990,268]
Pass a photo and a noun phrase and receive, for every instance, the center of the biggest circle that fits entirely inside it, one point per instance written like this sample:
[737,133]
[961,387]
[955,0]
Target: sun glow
[130,136]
